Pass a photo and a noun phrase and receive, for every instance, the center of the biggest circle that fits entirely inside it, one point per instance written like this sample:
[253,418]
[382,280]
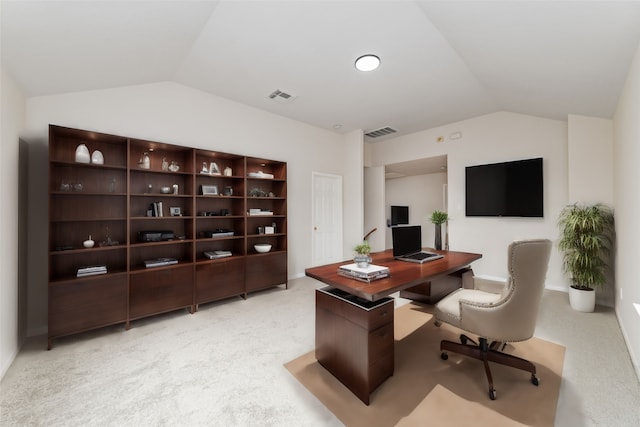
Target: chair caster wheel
[444,356]
[492,394]
[463,339]
[534,380]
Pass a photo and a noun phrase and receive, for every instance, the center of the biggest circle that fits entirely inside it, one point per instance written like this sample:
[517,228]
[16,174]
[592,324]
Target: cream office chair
[499,312]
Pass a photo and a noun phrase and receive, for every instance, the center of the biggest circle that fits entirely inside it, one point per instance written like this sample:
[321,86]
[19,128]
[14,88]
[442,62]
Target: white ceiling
[441,61]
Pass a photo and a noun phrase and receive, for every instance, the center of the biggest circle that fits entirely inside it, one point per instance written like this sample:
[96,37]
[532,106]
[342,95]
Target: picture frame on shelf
[175,211]
[209,190]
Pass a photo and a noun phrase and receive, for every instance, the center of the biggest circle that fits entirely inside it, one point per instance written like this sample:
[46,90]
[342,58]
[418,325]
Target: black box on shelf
[155,236]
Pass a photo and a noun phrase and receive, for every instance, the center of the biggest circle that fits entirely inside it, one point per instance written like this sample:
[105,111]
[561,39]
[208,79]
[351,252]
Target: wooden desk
[354,320]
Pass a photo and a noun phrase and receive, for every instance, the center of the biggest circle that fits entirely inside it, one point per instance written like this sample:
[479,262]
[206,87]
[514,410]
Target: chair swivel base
[487,353]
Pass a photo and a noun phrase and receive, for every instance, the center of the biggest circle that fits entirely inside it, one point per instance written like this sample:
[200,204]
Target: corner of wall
[12,303]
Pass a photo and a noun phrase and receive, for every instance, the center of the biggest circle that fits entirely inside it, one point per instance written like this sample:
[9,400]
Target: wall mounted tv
[505,189]
[399,215]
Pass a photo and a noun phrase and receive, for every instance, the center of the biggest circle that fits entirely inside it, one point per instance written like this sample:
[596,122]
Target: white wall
[353,195]
[590,173]
[172,113]
[492,138]
[374,213]
[12,112]
[423,195]
[627,208]
[590,154]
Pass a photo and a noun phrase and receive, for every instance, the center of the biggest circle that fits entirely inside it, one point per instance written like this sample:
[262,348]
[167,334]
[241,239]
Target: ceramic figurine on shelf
[82,154]
[173,167]
[89,242]
[228,171]
[97,158]
[165,164]
[213,169]
[205,168]
[145,161]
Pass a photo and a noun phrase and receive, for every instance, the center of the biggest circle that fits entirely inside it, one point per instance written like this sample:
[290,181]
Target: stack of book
[259,212]
[91,270]
[217,254]
[260,174]
[155,209]
[367,274]
[158,262]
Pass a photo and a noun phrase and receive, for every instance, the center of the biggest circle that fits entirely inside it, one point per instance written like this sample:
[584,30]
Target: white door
[326,219]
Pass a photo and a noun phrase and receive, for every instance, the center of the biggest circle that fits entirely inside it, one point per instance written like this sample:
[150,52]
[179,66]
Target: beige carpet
[426,390]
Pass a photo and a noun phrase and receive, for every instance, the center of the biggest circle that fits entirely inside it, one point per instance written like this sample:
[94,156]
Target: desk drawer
[381,343]
[366,314]
[380,371]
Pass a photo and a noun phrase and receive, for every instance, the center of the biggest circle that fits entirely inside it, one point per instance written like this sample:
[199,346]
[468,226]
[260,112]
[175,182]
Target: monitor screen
[399,215]
[406,239]
[505,189]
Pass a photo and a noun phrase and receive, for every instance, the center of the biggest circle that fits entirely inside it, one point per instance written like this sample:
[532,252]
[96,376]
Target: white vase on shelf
[82,154]
[97,158]
[89,242]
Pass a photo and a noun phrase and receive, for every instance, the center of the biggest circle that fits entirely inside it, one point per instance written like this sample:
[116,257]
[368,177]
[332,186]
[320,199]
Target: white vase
[583,300]
[82,154]
[88,243]
[362,260]
[97,158]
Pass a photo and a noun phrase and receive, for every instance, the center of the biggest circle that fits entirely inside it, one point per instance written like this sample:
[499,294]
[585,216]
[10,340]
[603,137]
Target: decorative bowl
[262,247]
[165,190]
[88,243]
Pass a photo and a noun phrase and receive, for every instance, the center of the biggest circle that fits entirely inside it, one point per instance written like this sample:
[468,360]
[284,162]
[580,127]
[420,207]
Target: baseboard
[296,276]
[552,287]
[6,364]
[632,355]
[40,330]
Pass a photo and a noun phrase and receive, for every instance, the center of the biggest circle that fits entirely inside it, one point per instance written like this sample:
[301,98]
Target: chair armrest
[489,285]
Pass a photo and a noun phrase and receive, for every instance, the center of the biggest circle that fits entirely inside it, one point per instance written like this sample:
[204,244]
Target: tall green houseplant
[439,218]
[585,242]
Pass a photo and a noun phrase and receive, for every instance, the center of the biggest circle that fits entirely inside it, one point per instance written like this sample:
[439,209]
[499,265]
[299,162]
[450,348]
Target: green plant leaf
[439,217]
[586,235]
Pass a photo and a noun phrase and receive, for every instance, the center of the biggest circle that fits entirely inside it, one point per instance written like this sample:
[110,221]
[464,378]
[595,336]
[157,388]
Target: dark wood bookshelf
[110,203]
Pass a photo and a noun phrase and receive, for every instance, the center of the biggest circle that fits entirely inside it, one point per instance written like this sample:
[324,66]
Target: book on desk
[364,274]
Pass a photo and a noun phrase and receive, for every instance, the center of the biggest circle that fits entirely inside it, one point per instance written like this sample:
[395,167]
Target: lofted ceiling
[441,61]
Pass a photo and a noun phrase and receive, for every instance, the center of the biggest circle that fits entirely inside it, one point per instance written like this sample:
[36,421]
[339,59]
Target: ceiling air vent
[380,132]
[281,96]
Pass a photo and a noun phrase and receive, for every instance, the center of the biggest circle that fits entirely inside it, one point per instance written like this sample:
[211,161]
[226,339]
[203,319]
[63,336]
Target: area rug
[425,390]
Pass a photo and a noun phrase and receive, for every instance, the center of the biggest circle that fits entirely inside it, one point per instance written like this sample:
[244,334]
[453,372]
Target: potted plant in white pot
[439,218]
[585,243]
[362,257]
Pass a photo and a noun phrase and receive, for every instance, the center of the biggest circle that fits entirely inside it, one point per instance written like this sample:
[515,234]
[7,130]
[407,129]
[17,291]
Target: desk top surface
[403,274]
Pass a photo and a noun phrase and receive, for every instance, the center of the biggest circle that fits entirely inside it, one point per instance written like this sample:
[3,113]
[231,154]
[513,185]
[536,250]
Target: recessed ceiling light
[367,62]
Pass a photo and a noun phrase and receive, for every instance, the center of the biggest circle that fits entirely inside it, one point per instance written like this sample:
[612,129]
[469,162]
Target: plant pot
[362,261]
[438,239]
[582,299]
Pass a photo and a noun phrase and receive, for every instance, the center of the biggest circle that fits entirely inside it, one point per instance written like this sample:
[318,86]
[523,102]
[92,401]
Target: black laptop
[407,245]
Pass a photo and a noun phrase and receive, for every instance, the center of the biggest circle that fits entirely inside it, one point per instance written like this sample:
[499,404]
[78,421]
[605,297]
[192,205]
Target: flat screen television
[512,189]
[399,215]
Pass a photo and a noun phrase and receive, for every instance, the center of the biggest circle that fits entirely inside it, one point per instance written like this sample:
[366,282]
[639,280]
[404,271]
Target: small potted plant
[362,258]
[585,242]
[439,218]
